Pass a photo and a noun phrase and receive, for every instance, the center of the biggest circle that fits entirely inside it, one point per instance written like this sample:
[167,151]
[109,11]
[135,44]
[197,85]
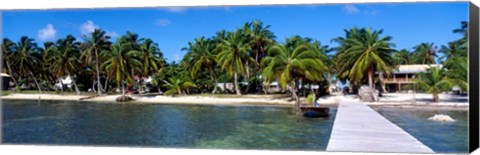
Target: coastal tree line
[250,57]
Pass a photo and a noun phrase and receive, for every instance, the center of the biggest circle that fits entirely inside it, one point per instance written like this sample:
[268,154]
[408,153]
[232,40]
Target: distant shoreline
[232,100]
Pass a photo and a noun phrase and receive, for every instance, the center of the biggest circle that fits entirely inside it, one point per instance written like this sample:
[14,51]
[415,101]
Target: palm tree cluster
[249,57]
[96,59]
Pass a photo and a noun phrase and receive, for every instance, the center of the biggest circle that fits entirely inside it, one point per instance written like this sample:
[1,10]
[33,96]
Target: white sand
[402,99]
[43,97]
[387,99]
[155,99]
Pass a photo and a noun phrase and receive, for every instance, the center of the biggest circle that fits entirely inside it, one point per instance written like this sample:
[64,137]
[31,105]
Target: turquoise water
[442,137]
[162,125]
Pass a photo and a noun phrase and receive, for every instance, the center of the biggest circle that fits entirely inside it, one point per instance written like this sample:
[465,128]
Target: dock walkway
[358,128]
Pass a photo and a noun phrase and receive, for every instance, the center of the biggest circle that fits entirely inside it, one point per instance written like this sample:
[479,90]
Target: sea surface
[441,137]
[162,125]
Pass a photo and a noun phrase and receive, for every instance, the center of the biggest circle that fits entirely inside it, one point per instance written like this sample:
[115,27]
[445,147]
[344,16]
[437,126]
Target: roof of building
[412,69]
[404,69]
[4,75]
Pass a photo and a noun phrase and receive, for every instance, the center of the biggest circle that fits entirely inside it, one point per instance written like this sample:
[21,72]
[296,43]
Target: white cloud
[162,22]
[48,33]
[88,27]
[350,9]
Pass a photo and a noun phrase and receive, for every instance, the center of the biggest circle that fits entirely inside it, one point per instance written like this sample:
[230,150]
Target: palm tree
[177,85]
[233,53]
[433,81]
[64,62]
[8,49]
[121,63]
[403,57]
[96,43]
[463,30]
[260,39]
[260,36]
[364,51]
[425,53]
[287,66]
[151,57]
[201,57]
[27,59]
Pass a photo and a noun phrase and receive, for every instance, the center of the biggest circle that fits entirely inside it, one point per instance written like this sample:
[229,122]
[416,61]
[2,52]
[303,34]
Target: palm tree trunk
[435,97]
[370,77]
[235,83]
[93,86]
[123,88]
[11,73]
[224,87]
[248,78]
[214,78]
[99,85]
[36,82]
[106,85]
[75,85]
[179,91]
[295,96]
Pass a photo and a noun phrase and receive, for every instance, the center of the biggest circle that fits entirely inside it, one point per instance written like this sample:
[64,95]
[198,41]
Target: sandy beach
[404,99]
[156,99]
[391,99]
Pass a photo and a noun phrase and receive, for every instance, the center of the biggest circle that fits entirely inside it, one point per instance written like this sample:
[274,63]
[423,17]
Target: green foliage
[310,98]
[404,57]
[178,85]
[424,54]
[362,52]
[434,81]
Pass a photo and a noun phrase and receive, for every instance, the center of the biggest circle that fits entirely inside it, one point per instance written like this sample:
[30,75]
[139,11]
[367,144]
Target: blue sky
[408,23]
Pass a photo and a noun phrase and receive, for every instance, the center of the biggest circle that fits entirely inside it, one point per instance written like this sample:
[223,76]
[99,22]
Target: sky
[173,27]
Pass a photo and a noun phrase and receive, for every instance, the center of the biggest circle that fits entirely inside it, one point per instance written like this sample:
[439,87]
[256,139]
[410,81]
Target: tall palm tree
[233,53]
[364,51]
[121,63]
[433,81]
[456,63]
[64,62]
[463,30]
[425,53]
[287,66]
[260,38]
[201,57]
[8,50]
[403,57]
[49,52]
[27,59]
[151,57]
[96,43]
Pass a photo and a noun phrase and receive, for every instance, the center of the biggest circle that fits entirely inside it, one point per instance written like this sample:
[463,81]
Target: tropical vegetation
[248,58]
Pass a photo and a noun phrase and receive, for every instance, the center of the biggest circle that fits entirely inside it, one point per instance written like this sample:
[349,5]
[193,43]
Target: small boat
[315,112]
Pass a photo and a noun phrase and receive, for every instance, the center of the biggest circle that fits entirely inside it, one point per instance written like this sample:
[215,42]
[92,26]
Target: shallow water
[162,125]
[441,137]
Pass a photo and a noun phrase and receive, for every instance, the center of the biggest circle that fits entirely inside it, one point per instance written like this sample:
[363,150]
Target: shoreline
[198,100]
[266,100]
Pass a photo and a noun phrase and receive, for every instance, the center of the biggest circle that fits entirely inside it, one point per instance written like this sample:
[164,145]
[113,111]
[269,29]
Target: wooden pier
[358,128]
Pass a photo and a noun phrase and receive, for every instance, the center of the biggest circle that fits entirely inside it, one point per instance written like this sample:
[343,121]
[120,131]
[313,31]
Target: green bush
[310,99]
